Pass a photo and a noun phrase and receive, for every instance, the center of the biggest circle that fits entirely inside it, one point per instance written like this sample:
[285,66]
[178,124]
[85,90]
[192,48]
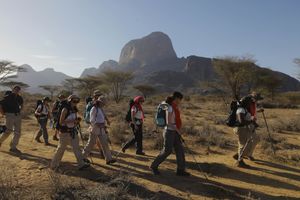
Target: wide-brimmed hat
[101,100]
[16,87]
[46,99]
[97,93]
[73,97]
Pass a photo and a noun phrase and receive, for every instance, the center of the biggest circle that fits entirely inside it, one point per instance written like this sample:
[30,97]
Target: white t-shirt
[171,124]
[71,116]
[138,113]
[97,116]
[45,110]
[244,111]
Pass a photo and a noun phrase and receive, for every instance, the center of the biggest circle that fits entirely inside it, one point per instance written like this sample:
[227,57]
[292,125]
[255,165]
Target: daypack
[88,109]
[128,115]
[55,106]
[38,103]
[61,106]
[161,116]
[231,120]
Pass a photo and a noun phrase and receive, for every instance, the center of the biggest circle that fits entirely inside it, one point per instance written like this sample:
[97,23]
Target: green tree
[117,80]
[146,90]
[10,84]
[52,89]
[8,70]
[234,73]
[269,81]
[88,84]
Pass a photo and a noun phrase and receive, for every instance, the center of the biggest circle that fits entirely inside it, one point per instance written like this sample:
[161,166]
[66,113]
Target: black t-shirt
[12,103]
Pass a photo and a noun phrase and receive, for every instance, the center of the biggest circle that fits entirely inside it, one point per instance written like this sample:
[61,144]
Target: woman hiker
[137,119]
[98,133]
[42,113]
[68,135]
[172,137]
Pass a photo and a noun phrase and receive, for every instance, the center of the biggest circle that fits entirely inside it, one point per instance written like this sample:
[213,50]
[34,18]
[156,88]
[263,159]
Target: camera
[2,129]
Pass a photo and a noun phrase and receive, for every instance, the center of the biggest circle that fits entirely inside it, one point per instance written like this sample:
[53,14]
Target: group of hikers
[64,117]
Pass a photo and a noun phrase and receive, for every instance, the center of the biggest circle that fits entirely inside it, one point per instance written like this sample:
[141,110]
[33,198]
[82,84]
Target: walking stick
[269,133]
[193,155]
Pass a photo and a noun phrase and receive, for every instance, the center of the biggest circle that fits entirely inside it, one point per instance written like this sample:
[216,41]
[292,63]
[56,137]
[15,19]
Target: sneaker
[140,153]
[236,156]
[154,170]
[86,165]
[38,140]
[182,173]
[250,158]
[111,161]
[15,150]
[87,160]
[55,138]
[242,164]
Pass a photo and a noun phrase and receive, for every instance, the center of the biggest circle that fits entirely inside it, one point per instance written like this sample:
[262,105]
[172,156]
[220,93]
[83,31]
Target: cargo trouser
[244,134]
[43,129]
[171,139]
[13,124]
[64,140]
[98,133]
[138,138]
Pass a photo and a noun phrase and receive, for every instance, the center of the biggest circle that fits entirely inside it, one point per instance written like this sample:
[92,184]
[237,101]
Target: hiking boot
[55,138]
[242,164]
[86,165]
[38,140]
[15,150]
[154,170]
[182,173]
[236,156]
[123,149]
[47,144]
[111,161]
[250,158]
[140,153]
[87,160]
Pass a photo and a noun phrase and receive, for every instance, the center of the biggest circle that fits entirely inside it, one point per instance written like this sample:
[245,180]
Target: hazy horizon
[71,35]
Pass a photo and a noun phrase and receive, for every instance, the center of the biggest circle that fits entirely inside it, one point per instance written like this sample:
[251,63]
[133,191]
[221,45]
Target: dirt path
[266,180]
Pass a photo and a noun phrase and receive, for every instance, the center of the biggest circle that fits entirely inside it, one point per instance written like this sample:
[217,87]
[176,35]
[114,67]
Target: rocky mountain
[154,61]
[35,78]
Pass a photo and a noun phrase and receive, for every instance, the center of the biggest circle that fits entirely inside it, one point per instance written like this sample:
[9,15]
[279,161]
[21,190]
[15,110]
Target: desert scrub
[287,124]
[118,132]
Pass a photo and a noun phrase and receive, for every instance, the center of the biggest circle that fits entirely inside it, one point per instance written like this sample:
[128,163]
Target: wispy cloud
[46,57]
[76,59]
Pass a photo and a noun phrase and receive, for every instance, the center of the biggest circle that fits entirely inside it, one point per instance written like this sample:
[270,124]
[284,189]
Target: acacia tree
[52,89]
[146,90]
[70,85]
[10,84]
[234,73]
[270,82]
[8,70]
[117,80]
[88,84]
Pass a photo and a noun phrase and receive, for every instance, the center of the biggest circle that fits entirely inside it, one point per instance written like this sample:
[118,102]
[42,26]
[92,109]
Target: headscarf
[138,105]
[177,115]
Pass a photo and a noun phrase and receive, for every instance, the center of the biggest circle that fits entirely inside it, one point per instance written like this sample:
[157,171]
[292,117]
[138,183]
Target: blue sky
[70,35]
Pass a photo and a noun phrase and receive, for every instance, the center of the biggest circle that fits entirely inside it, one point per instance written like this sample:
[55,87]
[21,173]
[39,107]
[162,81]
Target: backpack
[38,103]
[88,109]
[55,106]
[161,116]
[61,106]
[128,115]
[231,119]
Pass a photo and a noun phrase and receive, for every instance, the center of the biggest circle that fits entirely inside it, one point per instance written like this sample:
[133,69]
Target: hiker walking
[245,131]
[11,107]
[55,116]
[172,137]
[90,102]
[68,135]
[42,114]
[136,124]
[253,111]
[98,133]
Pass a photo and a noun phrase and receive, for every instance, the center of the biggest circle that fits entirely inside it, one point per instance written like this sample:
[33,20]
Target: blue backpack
[161,114]
[88,109]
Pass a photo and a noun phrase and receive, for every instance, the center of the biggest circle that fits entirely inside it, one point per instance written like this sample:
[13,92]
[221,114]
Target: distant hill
[36,78]
[154,61]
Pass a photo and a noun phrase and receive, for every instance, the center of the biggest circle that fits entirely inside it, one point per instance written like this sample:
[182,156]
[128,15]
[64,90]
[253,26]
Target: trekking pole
[193,155]
[269,133]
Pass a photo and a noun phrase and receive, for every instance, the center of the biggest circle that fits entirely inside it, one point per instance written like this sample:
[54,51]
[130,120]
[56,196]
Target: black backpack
[38,103]
[231,119]
[128,115]
[61,106]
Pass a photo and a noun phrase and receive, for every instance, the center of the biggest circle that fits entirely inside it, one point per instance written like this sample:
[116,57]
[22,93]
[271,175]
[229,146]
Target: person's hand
[260,110]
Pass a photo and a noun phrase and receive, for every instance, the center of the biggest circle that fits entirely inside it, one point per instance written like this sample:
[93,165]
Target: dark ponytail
[169,100]
[176,95]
